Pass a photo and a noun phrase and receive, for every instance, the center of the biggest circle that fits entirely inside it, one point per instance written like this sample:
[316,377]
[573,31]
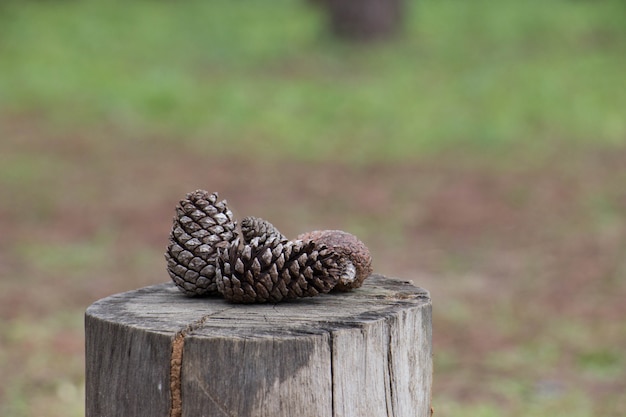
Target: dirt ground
[525,257]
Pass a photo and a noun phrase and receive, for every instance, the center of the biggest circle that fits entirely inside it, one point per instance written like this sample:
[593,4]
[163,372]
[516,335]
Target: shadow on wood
[154,352]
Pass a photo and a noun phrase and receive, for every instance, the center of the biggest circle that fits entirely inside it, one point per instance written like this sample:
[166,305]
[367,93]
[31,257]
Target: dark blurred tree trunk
[363,19]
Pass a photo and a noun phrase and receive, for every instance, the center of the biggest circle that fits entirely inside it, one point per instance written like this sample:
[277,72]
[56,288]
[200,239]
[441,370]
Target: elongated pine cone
[255,227]
[356,261]
[201,225]
[275,270]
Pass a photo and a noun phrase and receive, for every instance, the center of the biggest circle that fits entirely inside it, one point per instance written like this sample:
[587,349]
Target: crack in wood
[332,374]
[176,363]
[390,370]
[205,389]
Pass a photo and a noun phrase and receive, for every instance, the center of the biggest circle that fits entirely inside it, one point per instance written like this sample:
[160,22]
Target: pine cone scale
[208,271]
[206,222]
[262,291]
[273,273]
[175,249]
[197,215]
[197,264]
[204,251]
[255,267]
[180,235]
[280,261]
[266,257]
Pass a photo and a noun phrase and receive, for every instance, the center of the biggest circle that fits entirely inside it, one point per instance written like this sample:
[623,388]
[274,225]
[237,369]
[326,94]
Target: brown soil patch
[512,253]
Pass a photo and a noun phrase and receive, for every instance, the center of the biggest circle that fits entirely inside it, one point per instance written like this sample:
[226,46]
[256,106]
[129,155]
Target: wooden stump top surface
[162,308]
[364,353]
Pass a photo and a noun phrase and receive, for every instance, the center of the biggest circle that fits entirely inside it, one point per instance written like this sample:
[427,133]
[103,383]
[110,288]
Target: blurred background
[479,150]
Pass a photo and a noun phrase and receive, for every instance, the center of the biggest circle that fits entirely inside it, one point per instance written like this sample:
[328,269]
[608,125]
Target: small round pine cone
[256,227]
[275,270]
[201,225]
[355,258]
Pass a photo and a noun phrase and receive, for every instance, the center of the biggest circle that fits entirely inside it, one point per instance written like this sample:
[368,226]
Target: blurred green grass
[263,76]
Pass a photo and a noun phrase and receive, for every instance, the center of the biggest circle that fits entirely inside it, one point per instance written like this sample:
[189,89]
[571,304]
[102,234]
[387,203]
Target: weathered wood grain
[357,354]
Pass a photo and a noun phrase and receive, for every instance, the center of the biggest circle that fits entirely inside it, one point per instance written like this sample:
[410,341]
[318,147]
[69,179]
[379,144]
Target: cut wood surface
[154,352]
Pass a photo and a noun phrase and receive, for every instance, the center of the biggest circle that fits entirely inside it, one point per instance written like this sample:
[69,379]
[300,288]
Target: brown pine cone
[255,227]
[275,270]
[355,258]
[201,225]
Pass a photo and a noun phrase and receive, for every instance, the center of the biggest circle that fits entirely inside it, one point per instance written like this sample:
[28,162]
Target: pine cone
[275,270]
[355,259]
[255,227]
[201,225]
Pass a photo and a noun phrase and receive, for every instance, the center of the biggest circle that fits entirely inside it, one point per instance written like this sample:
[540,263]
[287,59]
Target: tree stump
[153,352]
[363,19]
